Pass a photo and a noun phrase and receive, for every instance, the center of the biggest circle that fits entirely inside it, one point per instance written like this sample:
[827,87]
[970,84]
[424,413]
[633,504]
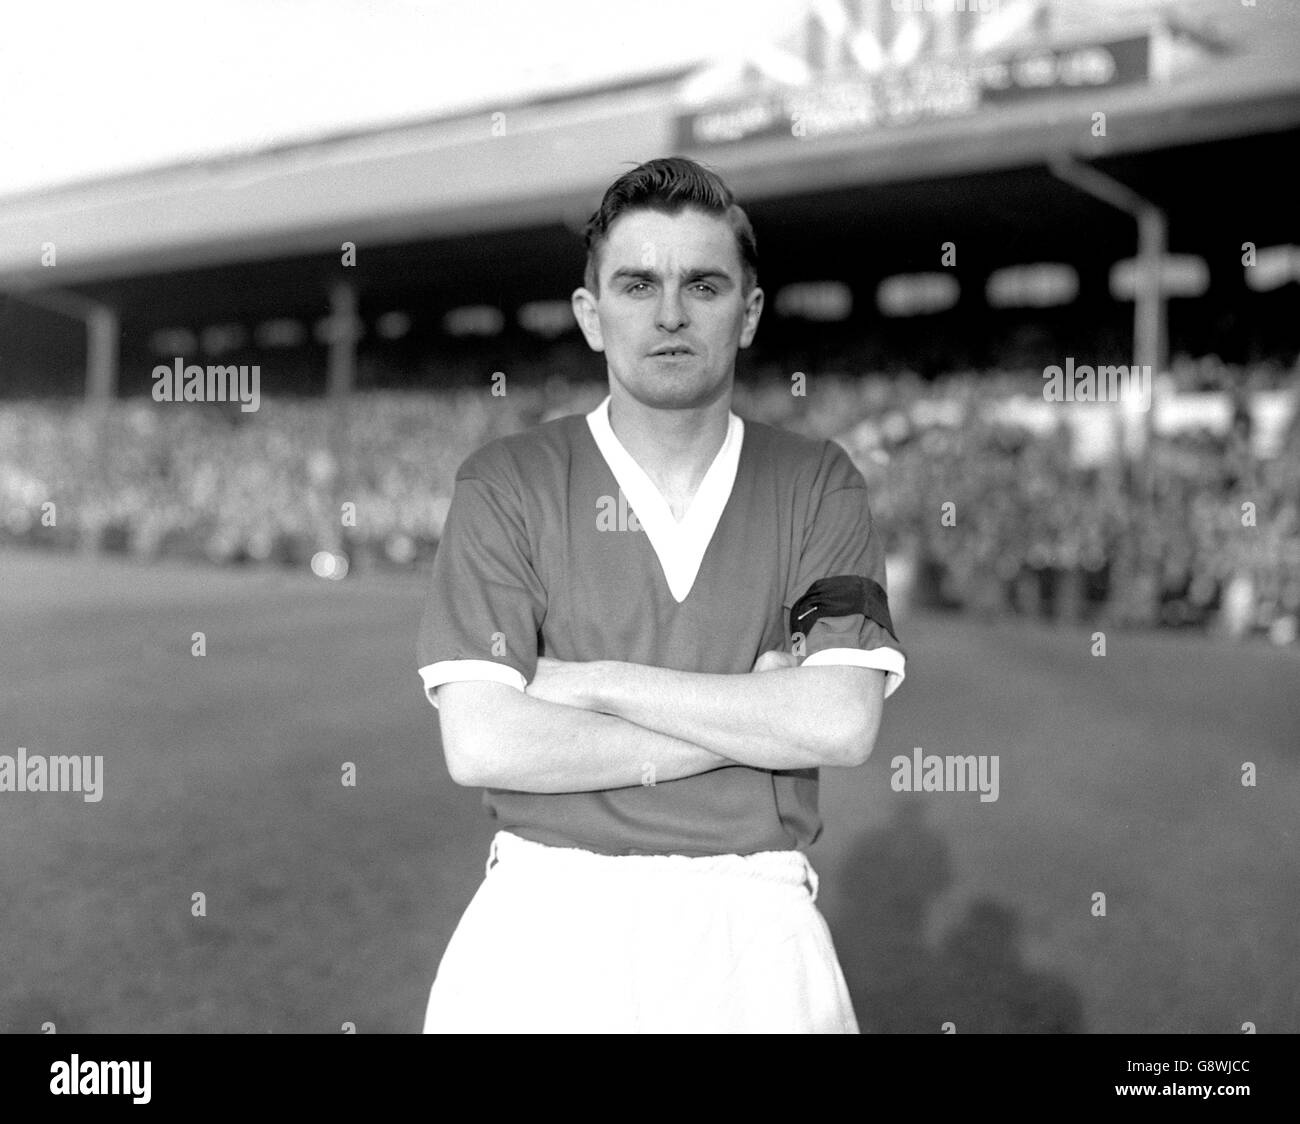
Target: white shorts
[561,940]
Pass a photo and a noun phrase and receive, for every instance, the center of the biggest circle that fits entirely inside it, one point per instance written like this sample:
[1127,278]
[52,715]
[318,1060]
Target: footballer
[648,630]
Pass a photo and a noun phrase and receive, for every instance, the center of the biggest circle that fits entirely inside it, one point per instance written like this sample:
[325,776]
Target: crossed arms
[603,724]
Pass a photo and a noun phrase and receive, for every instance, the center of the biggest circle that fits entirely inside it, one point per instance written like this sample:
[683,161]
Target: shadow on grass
[974,980]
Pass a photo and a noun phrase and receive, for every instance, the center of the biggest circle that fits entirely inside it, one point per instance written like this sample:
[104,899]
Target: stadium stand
[1034,530]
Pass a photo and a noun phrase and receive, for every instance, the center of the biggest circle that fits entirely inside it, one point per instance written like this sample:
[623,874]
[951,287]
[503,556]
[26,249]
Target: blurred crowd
[979,510]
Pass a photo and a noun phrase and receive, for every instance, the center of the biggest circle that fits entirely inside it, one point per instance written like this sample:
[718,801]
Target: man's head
[670,290]
[670,185]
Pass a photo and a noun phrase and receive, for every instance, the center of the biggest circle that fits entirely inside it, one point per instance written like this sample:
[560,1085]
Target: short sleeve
[838,602]
[485,602]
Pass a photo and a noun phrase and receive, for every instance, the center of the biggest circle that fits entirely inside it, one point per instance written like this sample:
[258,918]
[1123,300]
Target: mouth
[673,351]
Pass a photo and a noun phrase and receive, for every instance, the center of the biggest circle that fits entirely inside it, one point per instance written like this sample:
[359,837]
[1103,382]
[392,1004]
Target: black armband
[841,597]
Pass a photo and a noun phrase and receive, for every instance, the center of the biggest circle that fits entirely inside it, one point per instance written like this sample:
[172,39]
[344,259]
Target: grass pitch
[327,904]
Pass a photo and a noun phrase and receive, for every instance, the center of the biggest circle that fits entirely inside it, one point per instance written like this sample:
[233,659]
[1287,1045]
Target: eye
[705,286]
[635,286]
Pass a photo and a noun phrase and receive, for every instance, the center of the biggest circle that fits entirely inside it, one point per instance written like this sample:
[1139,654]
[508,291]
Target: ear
[753,310]
[584,312]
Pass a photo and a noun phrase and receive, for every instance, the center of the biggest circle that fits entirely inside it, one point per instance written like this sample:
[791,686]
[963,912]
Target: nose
[671,313]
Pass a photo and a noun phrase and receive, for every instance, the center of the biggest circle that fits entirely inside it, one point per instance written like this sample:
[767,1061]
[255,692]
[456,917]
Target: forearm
[527,744]
[786,719]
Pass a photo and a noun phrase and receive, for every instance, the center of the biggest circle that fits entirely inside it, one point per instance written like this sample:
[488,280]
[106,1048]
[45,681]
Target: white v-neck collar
[680,546]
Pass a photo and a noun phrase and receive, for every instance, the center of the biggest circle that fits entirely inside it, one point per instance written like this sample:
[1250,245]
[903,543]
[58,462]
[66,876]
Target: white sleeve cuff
[464,671]
[888,660]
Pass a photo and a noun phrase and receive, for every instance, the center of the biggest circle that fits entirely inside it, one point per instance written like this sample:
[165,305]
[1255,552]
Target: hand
[566,682]
[774,661]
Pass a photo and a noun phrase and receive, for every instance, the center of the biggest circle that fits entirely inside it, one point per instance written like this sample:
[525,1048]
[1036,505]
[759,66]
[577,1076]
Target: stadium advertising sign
[927,90]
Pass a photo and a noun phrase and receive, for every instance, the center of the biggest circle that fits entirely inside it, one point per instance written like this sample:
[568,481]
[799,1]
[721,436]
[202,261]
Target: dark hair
[670,184]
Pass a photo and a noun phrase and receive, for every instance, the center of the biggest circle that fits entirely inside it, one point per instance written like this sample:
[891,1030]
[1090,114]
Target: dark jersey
[557,543]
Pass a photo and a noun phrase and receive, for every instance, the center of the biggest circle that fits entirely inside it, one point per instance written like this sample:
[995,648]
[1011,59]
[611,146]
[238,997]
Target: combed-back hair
[670,184]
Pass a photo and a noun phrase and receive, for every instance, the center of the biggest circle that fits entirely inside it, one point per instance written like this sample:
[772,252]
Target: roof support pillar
[1150,309]
[103,336]
[343,335]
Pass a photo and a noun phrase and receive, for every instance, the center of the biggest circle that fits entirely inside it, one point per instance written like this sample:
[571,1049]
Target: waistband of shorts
[791,868]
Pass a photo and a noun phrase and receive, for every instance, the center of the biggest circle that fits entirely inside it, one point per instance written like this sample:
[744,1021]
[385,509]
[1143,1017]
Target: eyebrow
[711,273]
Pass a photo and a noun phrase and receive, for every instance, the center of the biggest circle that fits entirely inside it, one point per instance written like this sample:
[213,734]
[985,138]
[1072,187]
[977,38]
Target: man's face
[671,314]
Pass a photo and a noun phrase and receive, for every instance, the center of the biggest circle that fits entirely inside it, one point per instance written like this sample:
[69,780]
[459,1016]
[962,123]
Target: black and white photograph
[722,517]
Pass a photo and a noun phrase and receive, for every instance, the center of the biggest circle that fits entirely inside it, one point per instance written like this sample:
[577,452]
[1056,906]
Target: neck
[673,447]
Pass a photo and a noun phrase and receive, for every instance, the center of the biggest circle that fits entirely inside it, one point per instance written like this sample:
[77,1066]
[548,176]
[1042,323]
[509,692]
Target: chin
[682,391]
